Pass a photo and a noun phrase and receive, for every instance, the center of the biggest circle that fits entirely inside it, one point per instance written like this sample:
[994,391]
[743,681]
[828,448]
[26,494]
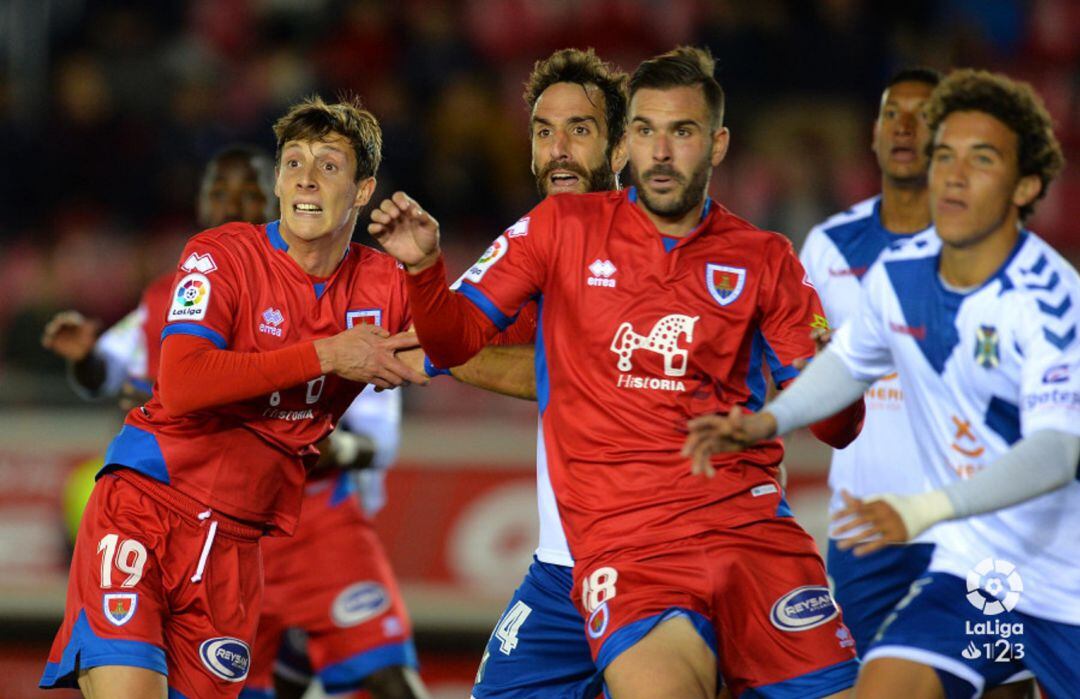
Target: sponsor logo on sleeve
[1056,374]
[493,254]
[195,262]
[358,603]
[227,658]
[519,229]
[191,299]
[803,608]
[1052,398]
[120,606]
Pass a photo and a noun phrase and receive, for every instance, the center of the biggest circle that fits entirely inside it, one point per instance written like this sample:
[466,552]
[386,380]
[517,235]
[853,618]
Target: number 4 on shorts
[508,627]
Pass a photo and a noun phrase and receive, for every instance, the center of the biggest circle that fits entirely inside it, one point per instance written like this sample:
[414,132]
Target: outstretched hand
[870,525]
[712,434]
[821,337]
[70,335]
[406,232]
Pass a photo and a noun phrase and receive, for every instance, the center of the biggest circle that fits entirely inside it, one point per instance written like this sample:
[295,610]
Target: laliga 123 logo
[994,586]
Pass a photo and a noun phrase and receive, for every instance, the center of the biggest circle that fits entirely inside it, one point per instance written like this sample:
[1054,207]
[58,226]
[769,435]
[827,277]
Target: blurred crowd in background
[108,111]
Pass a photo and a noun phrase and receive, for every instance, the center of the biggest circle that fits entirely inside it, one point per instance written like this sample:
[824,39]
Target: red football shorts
[332,581]
[131,600]
[757,594]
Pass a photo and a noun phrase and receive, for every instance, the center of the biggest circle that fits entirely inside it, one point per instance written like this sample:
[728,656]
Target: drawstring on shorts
[206,546]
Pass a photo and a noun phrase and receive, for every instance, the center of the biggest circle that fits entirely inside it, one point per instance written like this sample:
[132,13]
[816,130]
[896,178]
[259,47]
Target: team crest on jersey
[363,316]
[598,620]
[191,299]
[725,283]
[203,264]
[987,353]
[120,606]
[493,254]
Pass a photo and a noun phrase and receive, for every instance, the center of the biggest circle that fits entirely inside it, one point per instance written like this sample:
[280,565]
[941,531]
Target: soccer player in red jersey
[272,332]
[656,305]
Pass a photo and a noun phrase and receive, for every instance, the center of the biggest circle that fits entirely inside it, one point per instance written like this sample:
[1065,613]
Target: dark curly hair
[685,66]
[1013,103]
[583,68]
[313,119]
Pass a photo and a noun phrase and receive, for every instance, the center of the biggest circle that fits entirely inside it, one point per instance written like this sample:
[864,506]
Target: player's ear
[720,140]
[1027,190]
[364,192]
[277,181]
[619,155]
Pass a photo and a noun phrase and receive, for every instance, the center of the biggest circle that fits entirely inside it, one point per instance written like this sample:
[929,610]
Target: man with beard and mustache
[577,107]
[657,305]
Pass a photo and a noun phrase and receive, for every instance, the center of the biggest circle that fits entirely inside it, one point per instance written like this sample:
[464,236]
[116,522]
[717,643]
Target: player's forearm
[195,375]
[451,329]
[1038,464]
[509,370]
[823,389]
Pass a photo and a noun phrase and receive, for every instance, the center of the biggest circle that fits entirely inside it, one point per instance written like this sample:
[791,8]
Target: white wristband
[918,512]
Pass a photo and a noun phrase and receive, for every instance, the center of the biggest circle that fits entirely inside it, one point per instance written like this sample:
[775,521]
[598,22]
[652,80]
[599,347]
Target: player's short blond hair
[313,119]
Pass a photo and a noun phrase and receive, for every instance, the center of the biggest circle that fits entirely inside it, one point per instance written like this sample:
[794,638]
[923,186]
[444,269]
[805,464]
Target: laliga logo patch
[191,299]
[803,608]
[365,316]
[227,658]
[598,621]
[358,603]
[994,586]
[724,283]
[492,255]
[120,606]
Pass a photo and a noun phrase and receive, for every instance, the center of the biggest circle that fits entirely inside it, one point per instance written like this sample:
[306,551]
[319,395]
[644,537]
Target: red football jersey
[638,334]
[238,288]
[156,300]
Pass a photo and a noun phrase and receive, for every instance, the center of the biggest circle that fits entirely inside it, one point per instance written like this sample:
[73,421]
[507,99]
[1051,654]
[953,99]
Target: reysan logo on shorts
[664,339]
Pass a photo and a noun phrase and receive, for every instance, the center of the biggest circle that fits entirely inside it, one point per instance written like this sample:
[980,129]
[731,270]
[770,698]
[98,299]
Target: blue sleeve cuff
[432,370]
[197,330]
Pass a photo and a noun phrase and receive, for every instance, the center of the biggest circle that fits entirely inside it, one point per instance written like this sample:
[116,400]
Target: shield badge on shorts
[725,283]
[120,606]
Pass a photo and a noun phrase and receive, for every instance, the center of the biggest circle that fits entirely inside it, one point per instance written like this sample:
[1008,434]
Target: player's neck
[972,264]
[904,209]
[675,227]
[319,257]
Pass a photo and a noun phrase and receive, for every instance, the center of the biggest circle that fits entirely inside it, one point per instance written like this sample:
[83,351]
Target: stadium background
[108,110]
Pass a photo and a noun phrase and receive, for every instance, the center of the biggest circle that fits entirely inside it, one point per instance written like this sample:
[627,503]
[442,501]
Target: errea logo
[602,271]
[272,320]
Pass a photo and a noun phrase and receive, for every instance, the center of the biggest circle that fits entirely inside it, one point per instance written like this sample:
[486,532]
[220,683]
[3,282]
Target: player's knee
[395,682]
[896,678]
